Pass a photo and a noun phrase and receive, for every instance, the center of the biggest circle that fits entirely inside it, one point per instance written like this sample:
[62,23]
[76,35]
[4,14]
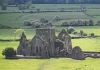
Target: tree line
[51,1]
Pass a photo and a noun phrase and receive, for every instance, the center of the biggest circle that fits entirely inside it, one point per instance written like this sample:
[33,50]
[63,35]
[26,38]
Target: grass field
[53,63]
[16,20]
[89,44]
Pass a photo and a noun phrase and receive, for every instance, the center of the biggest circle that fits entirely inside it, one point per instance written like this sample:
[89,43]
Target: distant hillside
[59,1]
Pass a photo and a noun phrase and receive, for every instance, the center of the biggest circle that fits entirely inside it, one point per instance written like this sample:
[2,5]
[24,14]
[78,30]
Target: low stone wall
[26,57]
[92,54]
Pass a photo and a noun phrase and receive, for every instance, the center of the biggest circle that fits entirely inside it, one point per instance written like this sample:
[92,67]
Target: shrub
[92,35]
[9,52]
[75,33]
[81,33]
[64,24]
[84,34]
[57,18]
[77,53]
[43,20]
[70,30]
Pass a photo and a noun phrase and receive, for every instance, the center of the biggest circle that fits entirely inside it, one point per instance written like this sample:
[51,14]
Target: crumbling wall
[24,46]
[66,39]
[43,42]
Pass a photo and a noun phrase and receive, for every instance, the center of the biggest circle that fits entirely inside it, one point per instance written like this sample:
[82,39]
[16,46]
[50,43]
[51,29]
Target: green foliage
[77,53]
[9,52]
[53,63]
[3,4]
[43,20]
[92,35]
[81,33]
[70,30]
[4,27]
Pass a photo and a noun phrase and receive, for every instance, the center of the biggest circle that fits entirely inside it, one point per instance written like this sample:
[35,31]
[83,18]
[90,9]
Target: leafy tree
[62,9]
[38,10]
[43,20]
[4,4]
[92,35]
[81,33]
[91,23]
[70,30]
[9,52]
[77,53]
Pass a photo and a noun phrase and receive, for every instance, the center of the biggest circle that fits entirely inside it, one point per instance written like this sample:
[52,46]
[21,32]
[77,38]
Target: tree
[81,33]
[43,20]
[57,18]
[70,30]
[38,10]
[77,53]
[25,5]
[91,23]
[92,35]
[9,52]
[3,4]
[62,9]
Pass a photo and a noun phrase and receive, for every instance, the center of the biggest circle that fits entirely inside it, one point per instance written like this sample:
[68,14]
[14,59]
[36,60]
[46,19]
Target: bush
[84,34]
[70,30]
[77,53]
[57,18]
[9,52]
[43,20]
[4,7]
[92,35]
[75,33]
[64,24]
[81,33]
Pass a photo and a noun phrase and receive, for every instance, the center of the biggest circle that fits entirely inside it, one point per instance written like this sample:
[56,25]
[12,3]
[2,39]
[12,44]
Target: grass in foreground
[52,64]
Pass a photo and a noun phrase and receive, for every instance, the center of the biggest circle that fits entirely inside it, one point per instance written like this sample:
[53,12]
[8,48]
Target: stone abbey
[46,44]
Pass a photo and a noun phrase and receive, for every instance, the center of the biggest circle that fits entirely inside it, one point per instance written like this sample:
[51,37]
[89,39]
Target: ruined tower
[23,48]
[66,39]
[43,42]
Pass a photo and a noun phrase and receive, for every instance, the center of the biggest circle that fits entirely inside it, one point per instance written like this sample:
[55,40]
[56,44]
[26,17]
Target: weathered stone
[23,48]
[77,53]
[66,39]
[45,44]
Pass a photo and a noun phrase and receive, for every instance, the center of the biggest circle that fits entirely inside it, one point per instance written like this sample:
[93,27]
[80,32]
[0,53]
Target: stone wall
[43,42]
[46,44]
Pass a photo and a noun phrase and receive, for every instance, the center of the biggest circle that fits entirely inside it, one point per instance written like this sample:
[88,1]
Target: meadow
[74,11]
[53,63]
[88,44]
[16,20]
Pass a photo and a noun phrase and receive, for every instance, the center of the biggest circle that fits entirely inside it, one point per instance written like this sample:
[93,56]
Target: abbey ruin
[45,44]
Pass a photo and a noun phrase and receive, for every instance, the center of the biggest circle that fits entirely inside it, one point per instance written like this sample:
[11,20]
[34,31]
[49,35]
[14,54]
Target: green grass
[48,64]
[17,20]
[12,34]
[88,44]
[91,44]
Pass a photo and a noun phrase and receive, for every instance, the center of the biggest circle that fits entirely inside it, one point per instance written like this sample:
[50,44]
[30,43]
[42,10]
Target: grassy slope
[54,64]
[16,20]
[47,64]
[50,64]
